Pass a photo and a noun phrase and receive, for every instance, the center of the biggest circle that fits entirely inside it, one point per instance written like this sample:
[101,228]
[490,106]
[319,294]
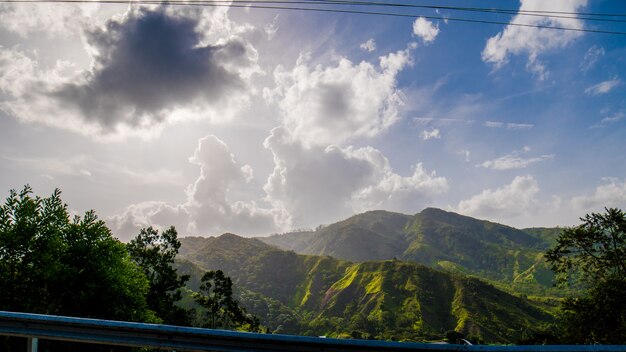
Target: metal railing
[176,338]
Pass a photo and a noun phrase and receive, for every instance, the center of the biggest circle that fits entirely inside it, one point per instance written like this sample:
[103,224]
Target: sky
[259,121]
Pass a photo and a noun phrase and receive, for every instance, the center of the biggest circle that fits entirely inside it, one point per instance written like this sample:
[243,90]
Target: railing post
[32,344]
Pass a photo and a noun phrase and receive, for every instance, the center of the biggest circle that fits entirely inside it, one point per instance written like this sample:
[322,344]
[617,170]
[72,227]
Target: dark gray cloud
[149,63]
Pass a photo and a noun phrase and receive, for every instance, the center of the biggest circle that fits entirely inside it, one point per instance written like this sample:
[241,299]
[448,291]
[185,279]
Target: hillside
[437,239]
[320,295]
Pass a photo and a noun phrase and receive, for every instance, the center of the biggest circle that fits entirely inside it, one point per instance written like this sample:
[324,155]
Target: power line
[254,5]
[477,9]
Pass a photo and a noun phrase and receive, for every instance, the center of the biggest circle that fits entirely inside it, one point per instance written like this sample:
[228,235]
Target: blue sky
[259,121]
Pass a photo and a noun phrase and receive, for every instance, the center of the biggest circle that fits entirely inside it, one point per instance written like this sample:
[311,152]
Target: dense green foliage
[392,299]
[154,253]
[595,252]
[222,311]
[53,265]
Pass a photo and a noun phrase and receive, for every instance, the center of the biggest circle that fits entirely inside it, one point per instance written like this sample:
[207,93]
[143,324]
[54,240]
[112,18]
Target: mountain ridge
[436,238]
[388,299]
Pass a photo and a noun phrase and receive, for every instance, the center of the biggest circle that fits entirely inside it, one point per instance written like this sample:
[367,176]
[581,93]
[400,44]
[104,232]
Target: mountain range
[435,238]
[387,276]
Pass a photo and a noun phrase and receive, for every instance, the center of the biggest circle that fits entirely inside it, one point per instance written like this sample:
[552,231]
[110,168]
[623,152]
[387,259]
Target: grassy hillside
[320,295]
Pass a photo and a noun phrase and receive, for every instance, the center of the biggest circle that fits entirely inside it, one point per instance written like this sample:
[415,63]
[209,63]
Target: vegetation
[51,264]
[222,310]
[509,258]
[392,300]
[595,254]
[154,253]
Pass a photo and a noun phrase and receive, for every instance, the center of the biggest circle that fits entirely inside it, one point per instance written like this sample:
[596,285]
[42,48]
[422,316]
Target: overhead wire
[277,5]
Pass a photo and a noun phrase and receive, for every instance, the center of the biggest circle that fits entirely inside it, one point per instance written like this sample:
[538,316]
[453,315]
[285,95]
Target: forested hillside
[391,299]
[438,239]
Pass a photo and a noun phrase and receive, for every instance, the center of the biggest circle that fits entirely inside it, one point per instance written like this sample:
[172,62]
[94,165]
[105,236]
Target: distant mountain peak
[229,235]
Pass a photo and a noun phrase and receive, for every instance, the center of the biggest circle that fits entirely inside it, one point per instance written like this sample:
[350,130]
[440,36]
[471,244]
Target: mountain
[390,299]
[411,300]
[435,238]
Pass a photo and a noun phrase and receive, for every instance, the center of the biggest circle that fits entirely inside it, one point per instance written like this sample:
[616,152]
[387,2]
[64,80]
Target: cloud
[334,104]
[443,110]
[611,193]
[440,122]
[508,126]
[49,18]
[208,198]
[369,45]
[513,200]
[308,186]
[618,116]
[432,134]
[603,87]
[161,215]
[425,29]
[150,67]
[211,206]
[330,182]
[532,42]
[592,56]
[85,165]
[514,160]
[609,118]
[271,28]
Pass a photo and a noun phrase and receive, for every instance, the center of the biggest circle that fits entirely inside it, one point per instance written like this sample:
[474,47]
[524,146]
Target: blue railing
[176,338]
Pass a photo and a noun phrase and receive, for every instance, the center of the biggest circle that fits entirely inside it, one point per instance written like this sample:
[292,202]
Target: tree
[155,254]
[595,251]
[53,265]
[222,311]
[50,264]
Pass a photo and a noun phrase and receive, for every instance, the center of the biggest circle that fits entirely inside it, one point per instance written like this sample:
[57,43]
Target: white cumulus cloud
[369,45]
[425,30]
[211,207]
[50,18]
[611,193]
[314,184]
[530,41]
[432,134]
[519,198]
[333,104]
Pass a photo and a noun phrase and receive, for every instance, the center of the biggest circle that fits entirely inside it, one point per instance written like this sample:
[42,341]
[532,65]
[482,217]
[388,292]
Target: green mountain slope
[435,238]
[374,235]
[320,295]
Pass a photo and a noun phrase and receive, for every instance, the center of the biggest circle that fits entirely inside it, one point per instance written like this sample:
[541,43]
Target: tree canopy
[222,310]
[53,265]
[595,250]
[155,252]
